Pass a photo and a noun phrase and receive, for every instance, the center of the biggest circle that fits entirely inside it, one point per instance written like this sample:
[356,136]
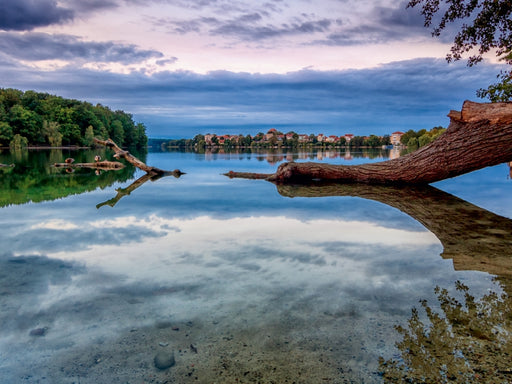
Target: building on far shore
[275,138]
[395,138]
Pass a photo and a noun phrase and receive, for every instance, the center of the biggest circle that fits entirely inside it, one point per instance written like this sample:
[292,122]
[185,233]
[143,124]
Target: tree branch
[120,153]
[121,192]
[103,165]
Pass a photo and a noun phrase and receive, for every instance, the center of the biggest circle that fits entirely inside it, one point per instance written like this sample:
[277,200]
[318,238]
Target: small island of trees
[39,119]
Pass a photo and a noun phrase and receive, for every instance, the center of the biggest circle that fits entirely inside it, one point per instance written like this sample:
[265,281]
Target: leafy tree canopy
[35,118]
[487,27]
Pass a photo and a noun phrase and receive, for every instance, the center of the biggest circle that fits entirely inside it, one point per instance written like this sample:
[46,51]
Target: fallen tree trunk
[103,165]
[477,137]
[120,153]
[6,165]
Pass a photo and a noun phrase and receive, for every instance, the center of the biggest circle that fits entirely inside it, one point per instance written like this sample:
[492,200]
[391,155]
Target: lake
[206,279]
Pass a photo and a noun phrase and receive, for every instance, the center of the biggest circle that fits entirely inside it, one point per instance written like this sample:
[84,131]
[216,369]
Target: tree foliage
[51,131]
[501,91]
[18,142]
[33,180]
[487,27]
[44,119]
[467,340]
[413,140]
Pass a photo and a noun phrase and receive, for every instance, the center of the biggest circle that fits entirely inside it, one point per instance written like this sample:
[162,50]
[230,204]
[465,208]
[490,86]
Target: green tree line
[260,141]
[33,179]
[415,139]
[34,118]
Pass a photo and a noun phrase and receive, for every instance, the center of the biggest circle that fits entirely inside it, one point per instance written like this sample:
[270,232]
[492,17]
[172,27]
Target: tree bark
[120,153]
[104,165]
[477,137]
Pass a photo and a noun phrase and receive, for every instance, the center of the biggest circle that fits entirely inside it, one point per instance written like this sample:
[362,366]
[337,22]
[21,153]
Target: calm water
[240,281]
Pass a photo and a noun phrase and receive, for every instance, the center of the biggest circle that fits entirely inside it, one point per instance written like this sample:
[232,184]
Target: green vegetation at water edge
[416,139]
[276,139]
[41,119]
[33,179]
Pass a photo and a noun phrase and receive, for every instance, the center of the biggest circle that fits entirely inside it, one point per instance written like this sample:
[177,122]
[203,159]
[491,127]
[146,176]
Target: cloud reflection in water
[330,273]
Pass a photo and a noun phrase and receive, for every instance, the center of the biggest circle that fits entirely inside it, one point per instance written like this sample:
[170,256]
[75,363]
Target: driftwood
[102,165]
[474,238]
[477,137]
[120,153]
[122,192]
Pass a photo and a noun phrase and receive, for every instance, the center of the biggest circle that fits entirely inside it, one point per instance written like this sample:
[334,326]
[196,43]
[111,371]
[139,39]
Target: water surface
[240,280]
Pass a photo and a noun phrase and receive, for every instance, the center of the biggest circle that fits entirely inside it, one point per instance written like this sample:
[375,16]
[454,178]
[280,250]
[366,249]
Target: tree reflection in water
[469,341]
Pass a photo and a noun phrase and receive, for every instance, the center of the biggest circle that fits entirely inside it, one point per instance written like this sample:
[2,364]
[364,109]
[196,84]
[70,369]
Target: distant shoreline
[37,147]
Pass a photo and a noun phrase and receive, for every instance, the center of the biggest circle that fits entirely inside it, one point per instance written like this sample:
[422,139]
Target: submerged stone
[164,360]
[38,332]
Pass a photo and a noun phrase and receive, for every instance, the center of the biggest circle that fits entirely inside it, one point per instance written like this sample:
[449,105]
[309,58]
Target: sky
[184,67]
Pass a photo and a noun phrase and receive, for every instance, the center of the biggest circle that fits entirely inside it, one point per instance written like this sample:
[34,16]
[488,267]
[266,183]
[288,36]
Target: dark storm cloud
[410,94]
[42,46]
[399,16]
[25,15]
[387,24]
[88,6]
[22,15]
[382,25]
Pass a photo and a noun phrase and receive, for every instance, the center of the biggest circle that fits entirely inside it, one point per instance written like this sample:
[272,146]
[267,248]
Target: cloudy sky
[227,66]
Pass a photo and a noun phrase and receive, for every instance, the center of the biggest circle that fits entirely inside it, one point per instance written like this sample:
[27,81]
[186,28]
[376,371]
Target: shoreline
[46,147]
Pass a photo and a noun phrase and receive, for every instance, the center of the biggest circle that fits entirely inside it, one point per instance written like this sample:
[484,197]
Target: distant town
[276,139]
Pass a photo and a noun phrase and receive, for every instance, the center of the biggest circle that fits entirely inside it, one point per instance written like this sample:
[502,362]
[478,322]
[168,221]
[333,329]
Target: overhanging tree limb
[120,153]
[479,136]
[485,26]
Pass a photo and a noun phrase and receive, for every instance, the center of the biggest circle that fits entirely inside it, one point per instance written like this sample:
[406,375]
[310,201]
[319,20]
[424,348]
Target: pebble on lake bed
[164,360]
[38,332]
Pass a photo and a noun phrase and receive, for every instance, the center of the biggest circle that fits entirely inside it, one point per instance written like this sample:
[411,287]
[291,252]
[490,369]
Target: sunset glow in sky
[189,66]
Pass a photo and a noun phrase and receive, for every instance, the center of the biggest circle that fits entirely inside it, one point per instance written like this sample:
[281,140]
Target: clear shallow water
[239,280]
